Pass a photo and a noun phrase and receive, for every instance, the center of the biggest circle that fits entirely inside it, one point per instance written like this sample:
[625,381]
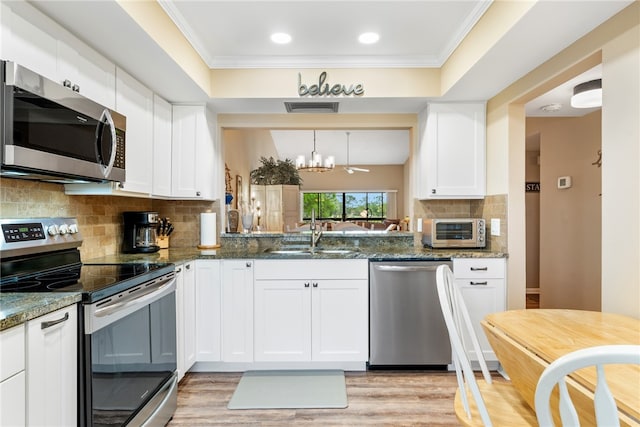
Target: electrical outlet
[495,226]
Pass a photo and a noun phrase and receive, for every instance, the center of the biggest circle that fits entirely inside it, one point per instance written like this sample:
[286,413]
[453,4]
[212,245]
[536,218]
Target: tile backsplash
[99,217]
[494,206]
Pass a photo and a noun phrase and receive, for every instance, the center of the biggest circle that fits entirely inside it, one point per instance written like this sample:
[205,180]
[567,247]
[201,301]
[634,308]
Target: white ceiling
[235,33]
[413,33]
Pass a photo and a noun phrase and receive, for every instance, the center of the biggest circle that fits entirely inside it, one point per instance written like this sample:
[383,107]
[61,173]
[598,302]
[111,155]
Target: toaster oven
[454,233]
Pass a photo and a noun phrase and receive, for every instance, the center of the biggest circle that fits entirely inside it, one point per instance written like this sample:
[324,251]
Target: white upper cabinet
[161,147]
[90,73]
[195,157]
[451,155]
[135,102]
[33,40]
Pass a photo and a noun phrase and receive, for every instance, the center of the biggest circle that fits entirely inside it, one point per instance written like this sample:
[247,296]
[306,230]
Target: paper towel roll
[208,232]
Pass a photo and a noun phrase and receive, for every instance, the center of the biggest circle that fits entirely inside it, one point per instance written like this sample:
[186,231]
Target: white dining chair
[491,403]
[606,411]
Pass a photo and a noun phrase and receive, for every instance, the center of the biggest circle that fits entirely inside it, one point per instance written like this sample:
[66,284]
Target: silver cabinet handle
[479,268]
[478,283]
[188,266]
[198,193]
[306,284]
[50,323]
[178,270]
[248,264]
[75,88]
[315,285]
[66,83]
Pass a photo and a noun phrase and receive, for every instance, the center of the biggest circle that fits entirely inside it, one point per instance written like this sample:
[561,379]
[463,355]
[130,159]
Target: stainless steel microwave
[50,132]
[454,233]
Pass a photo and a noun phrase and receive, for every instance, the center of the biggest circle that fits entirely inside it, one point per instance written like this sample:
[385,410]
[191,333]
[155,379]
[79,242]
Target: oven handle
[141,299]
[168,389]
[398,268]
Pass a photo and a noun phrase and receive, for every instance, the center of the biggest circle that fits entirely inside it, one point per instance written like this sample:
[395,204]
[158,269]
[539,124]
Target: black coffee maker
[140,232]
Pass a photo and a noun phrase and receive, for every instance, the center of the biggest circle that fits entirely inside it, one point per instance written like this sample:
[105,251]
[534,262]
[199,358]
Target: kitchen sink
[308,251]
[288,251]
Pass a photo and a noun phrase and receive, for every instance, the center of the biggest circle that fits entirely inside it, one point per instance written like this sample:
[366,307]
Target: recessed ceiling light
[369,38]
[280,38]
[550,108]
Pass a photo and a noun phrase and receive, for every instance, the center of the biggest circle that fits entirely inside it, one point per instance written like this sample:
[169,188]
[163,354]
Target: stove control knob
[64,229]
[73,228]
[52,230]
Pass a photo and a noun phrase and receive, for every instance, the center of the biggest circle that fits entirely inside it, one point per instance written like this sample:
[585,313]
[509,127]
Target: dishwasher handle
[405,268]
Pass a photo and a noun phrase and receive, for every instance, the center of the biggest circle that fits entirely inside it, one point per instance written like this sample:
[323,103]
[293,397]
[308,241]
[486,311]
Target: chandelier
[315,163]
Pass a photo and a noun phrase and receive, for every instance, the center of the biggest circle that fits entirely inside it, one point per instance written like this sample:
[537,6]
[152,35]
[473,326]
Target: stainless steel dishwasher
[406,327]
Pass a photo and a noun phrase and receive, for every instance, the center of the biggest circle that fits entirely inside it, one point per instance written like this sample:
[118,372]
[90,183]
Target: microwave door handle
[106,116]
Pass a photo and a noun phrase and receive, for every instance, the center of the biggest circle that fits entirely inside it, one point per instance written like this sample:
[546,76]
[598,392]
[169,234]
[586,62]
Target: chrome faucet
[315,234]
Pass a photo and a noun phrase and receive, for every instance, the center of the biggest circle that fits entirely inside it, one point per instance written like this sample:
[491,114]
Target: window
[345,206]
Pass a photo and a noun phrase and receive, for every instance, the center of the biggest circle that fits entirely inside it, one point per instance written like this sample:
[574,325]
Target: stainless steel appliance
[406,326]
[127,328]
[454,233]
[140,232]
[52,133]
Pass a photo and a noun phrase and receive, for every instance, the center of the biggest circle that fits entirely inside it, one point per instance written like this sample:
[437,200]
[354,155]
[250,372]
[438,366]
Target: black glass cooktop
[94,281]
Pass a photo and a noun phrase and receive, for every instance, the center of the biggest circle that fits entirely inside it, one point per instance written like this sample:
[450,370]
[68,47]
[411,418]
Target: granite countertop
[179,255]
[18,307]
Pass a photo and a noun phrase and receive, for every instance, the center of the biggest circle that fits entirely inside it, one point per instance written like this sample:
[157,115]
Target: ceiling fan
[348,168]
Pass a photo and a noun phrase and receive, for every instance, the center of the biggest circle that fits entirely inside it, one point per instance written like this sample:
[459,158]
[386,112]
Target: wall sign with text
[532,187]
[323,88]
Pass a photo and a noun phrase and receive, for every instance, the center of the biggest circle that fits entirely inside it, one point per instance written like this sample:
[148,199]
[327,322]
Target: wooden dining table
[527,341]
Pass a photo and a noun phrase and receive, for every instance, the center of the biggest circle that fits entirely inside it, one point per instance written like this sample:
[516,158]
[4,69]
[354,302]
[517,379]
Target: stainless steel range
[127,330]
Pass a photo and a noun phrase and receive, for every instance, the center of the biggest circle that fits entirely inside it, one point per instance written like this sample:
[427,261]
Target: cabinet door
[12,401]
[180,326]
[339,320]
[26,41]
[162,152]
[190,321]
[136,102]
[237,311]
[208,307]
[184,160]
[282,320]
[273,208]
[52,368]
[455,151]
[194,153]
[481,296]
[91,74]
[12,377]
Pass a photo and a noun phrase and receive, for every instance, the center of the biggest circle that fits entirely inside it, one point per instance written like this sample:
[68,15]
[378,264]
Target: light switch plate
[495,226]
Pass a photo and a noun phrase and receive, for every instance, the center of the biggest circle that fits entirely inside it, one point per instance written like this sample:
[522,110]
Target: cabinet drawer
[11,351]
[311,269]
[479,268]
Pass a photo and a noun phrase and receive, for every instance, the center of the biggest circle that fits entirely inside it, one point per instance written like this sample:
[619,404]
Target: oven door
[130,356]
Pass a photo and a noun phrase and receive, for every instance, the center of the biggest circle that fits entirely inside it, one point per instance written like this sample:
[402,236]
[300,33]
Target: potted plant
[275,172]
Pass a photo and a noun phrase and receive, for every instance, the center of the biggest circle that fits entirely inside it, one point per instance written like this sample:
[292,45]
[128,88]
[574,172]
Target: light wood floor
[382,398]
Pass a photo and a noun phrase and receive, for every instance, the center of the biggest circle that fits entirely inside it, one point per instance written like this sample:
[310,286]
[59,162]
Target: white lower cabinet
[311,310]
[237,310]
[482,282]
[51,368]
[185,316]
[208,311]
[12,377]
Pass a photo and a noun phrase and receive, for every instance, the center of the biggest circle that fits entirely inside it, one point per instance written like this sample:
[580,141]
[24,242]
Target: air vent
[311,107]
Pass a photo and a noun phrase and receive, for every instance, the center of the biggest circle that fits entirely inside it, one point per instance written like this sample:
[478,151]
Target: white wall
[620,174]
